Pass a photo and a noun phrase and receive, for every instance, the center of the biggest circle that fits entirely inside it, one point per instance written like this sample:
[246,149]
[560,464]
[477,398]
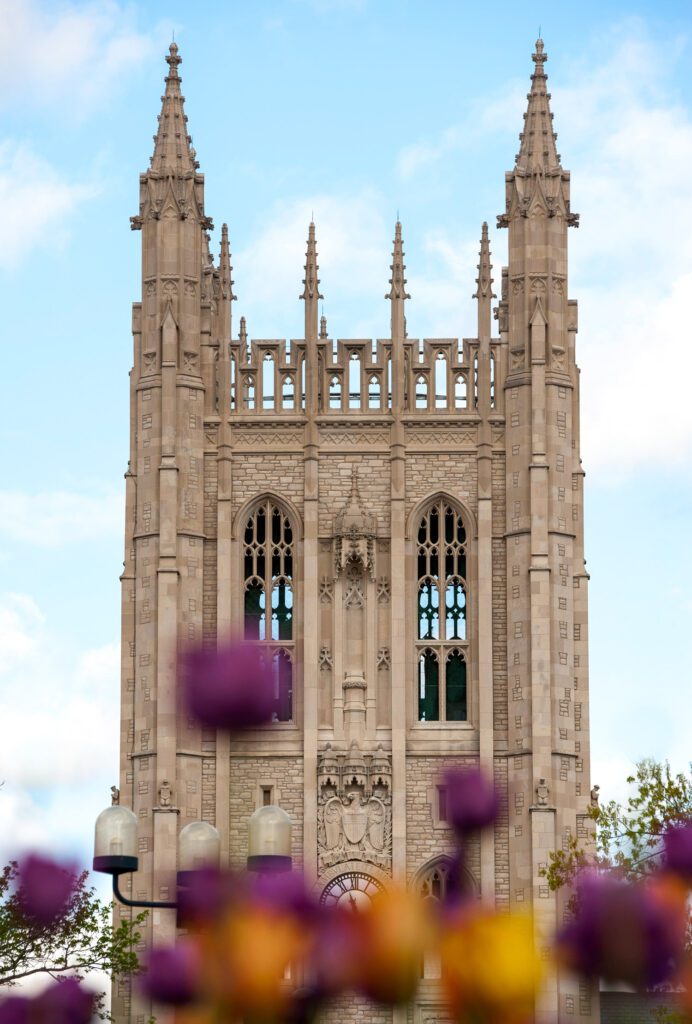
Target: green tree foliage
[81,941]
[628,839]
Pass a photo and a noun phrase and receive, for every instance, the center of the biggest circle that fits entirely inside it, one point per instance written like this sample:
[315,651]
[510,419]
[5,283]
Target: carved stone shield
[355,822]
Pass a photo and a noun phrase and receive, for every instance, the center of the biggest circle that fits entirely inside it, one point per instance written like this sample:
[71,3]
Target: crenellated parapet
[354,375]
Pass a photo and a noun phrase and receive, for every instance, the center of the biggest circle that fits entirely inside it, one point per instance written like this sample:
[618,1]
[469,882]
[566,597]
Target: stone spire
[484,281]
[397,294]
[484,285]
[311,292]
[537,150]
[173,152]
[225,268]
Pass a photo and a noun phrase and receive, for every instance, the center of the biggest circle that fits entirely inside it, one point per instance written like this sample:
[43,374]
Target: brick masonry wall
[425,840]
[285,774]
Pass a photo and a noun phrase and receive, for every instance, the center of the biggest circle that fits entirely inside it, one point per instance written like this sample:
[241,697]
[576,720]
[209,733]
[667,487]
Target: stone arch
[285,504]
[443,861]
[419,508]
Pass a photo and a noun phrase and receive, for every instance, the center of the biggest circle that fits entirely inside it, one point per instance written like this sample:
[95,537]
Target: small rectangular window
[267,792]
[442,803]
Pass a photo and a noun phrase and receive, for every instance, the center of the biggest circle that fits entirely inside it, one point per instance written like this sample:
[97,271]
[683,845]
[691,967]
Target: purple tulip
[44,888]
[620,933]
[172,974]
[471,800]
[231,687]
[65,1002]
[205,893]
[15,1010]
[286,892]
[678,850]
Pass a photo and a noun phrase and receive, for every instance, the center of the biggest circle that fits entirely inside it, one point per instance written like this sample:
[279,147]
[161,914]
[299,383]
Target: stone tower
[399,523]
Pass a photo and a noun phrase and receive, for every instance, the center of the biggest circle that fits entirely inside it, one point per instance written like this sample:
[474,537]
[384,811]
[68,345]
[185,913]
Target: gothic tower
[399,523]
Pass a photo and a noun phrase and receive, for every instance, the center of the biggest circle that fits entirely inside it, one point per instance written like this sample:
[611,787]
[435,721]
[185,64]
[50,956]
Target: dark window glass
[283,687]
[428,688]
[255,611]
[456,688]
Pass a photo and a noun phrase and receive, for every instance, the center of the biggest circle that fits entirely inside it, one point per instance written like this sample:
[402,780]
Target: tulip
[623,932]
[471,800]
[65,1002]
[229,687]
[396,932]
[15,1010]
[44,888]
[490,966]
[678,850]
[173,974]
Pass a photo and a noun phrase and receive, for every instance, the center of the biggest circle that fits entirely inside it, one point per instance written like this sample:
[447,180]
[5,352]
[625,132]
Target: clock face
[353,890]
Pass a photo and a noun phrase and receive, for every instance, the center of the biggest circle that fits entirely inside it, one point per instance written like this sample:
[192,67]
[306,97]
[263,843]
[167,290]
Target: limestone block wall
[426,837]
[284,775]
[356,1010]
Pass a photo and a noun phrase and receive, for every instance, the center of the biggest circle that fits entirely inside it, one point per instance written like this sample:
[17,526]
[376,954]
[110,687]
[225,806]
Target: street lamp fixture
[269,840]
[199,846]
[115,850]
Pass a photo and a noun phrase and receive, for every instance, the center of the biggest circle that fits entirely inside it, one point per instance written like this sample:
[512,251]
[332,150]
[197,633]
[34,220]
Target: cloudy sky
[353,109]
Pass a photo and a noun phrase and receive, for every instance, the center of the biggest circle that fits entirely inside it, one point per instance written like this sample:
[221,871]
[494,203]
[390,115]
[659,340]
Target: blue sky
[353,110]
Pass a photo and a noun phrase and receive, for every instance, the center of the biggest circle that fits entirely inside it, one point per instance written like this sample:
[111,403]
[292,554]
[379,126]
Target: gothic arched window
[268,605]
[441,633]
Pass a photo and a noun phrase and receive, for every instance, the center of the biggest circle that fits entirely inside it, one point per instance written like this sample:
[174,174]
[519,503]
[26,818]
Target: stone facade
[399,522]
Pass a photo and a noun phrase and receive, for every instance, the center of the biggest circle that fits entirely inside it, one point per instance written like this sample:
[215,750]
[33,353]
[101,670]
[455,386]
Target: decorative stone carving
[325,658]
[383,590]
[354,537]
[165,795]
[542,793]
[383,658]
[115,796]
[354,819]
[326,590]
[355,598]
[594,796]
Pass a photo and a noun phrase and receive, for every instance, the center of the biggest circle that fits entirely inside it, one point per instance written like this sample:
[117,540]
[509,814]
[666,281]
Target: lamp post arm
[151,904]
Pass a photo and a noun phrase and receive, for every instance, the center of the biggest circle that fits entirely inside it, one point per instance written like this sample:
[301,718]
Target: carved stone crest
[354,818]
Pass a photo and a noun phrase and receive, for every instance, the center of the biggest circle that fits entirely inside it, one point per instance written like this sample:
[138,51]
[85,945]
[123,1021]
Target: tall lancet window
[441,631]
[268,606]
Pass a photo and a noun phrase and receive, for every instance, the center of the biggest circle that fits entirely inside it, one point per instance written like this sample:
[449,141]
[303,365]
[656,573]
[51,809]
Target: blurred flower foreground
[261,948]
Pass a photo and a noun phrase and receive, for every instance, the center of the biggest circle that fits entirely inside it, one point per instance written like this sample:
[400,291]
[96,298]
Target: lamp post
[115,850]
[199,846]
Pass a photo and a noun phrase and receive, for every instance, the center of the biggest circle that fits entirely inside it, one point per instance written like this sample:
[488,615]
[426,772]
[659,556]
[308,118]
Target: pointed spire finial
[397,280]
[173,152]
[323,327]
[311,291]
[537,149]
[225,266]
[484,281]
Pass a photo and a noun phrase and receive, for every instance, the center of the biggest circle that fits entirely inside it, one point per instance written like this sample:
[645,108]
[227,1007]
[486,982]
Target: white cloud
[56,518]
[37,203]
[352,244]
[59,714]
[628,143]
[71,55]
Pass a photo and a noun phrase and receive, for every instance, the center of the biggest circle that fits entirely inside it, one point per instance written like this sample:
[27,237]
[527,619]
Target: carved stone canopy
[355,530]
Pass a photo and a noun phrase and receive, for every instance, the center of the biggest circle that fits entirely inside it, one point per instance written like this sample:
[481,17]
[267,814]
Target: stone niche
[354,811]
